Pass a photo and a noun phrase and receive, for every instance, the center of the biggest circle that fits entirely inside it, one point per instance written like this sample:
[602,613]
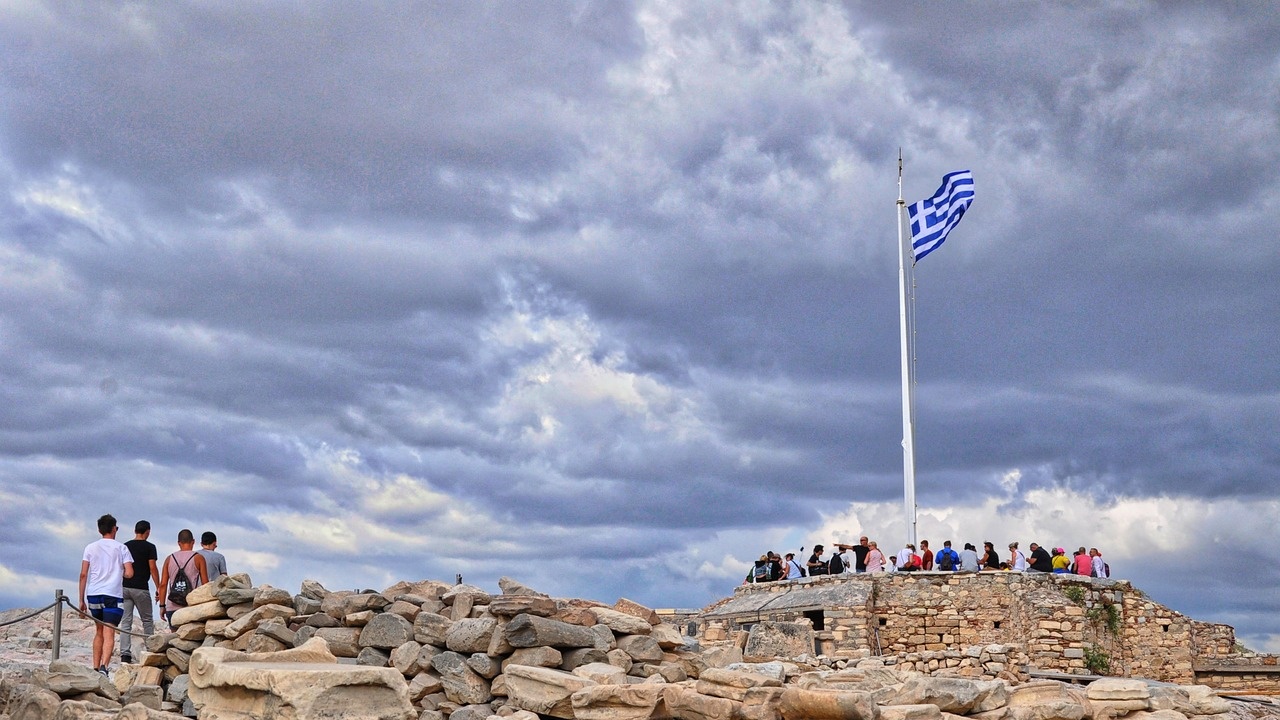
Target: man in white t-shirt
[105,565]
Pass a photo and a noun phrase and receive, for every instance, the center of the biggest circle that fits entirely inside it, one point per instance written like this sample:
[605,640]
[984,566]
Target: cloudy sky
[604,296]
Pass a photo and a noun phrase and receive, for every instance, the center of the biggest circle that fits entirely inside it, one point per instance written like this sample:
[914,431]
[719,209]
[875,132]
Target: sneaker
[126,658]
[103,670]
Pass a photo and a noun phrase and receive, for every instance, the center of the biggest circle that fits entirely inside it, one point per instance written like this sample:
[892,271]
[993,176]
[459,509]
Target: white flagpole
[905,261]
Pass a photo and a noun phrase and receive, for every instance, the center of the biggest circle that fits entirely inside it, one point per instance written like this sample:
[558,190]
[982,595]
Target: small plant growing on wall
[1108,615]
[1075,594]
[1097,660]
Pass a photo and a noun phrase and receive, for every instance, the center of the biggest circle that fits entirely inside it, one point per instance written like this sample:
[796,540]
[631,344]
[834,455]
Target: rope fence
[59,600]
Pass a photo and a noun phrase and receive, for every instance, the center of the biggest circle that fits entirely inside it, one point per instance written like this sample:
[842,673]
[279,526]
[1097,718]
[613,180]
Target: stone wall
[1058,623]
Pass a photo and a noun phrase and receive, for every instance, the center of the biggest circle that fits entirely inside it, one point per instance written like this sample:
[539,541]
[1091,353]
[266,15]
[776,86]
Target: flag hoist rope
[906,311]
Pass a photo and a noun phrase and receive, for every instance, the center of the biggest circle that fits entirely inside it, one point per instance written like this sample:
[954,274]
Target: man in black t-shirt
[860,554]
[137,593]
[1040,559]
[817,565]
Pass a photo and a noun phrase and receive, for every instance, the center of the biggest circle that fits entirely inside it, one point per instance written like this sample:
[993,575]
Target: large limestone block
[386,631]
[775,669]
[631,607]
[471,635]
[149,695]
[343,603]
[1155,715]
[620,702]
[992,695]
[250,620]
[1048,710]
[138,711]
[722,656]
[1118,689]
[511,586]
[237,596]
[405,658]
[910,712]
[343,641]
[684,703]
[763,703]
[768,640]
[305,682]
[66,678]
[537,656]
[431,629]
[603,673]
[732,684]
[953,695]
[1204,701]
[268,595]
[818,704]
[30,702]
[462,684]
[81,710]
[668,636]
[211,610]
[512,605]
[543,690]
[641,648]
[582,656]
[620,622]
[531,631]
[207,592]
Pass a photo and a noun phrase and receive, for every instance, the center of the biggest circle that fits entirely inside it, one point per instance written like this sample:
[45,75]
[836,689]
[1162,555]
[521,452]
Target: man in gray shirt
[969,558]
[213,560]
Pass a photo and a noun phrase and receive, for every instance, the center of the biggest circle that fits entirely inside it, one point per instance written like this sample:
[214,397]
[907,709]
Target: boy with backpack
[947,560]
[184,571]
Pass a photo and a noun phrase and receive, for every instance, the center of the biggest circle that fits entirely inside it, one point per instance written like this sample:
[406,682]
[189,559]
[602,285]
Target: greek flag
[932,219]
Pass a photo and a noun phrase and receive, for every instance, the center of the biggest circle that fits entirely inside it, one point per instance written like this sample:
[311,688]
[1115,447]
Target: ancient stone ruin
[1067,624]
[430,650]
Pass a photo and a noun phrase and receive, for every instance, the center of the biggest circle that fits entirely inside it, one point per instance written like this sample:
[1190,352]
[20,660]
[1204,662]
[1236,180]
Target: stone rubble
[430,650]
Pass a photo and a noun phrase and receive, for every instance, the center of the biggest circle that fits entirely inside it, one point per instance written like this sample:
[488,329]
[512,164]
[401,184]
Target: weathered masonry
[1062,623]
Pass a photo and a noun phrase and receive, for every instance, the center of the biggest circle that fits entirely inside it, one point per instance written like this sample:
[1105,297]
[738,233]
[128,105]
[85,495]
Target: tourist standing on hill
[1061,563]
[191,563]
[926,556]
[794,572]
[969,561]
[1017,560]
[1082,564]
[1100,568]
[213,560]
[875,558]
[1040,560]
[860,555]
[947,560]
[103,568]
[817,566]
[137,589]
[990,558]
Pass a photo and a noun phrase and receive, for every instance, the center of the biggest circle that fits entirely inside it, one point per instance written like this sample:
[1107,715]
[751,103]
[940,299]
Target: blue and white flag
[932,219]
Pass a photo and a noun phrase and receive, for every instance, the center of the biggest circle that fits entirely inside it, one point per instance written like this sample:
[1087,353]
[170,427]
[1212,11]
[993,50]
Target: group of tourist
[866,556]
[115,577]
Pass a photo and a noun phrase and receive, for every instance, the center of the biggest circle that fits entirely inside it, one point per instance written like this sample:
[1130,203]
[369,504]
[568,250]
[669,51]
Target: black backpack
[835,565]
[180,585]
[945,561]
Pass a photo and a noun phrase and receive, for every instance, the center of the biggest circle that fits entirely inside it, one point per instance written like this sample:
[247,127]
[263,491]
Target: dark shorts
[105,608]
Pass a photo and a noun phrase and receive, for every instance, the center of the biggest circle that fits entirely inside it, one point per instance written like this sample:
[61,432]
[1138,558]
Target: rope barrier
[87,616]
[31,614]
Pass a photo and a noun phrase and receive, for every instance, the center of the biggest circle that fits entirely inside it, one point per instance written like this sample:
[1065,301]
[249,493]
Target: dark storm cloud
[398,107]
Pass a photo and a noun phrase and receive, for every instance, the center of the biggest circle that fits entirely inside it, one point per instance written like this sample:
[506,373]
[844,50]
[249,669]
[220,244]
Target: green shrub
[1097,660]
[1075,594]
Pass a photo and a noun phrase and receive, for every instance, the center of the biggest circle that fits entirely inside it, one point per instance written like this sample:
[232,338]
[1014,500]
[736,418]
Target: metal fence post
[57,623]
